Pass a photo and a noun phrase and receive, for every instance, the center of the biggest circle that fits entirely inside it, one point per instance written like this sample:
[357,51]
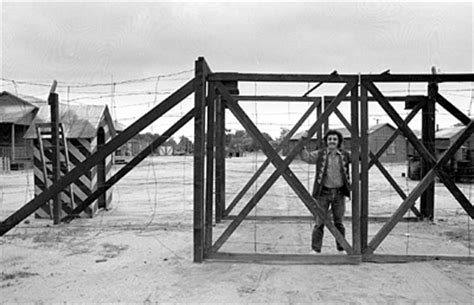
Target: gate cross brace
[379,165]
[455,191]
[282,167]
[267,162]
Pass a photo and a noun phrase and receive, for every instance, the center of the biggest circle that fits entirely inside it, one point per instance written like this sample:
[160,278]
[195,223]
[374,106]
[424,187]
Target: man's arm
[309,157]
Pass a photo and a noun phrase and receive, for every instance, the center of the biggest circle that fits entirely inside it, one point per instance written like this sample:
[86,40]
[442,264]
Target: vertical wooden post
[428,128]
[209,167]
[56,153]
[355,146]
[364,168]
[220,159]
[199,107]
[326,101]
[13,157]
[319,132]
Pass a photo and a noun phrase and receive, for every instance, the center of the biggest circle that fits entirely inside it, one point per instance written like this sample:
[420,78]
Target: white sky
[91,43]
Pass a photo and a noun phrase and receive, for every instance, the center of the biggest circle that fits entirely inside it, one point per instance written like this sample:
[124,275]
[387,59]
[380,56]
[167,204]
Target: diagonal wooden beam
[129,166]
[267,162]
[418,190]
[281,167]
[379,165]
[424,153]
[452,109]
[87,164]
[395,134]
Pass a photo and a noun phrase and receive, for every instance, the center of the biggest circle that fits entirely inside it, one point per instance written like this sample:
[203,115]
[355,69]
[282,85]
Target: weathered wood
[423,78]
[461,116]
[355,155]
[270,77]
[267,161]
[130,165]
[298,218]
[220,159]
[418,190]
[274,98]
[293,259]
[56,154]
[428,127]
[87,164]
[364,169]
[199,129]
[379,165]
[391,258]
[209,168]
[281,168]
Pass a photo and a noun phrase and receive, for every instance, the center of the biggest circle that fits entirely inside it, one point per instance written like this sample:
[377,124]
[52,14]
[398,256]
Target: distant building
[16,115]
[459,167]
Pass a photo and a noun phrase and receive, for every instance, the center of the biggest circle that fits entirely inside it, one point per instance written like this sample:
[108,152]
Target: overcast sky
[90,42]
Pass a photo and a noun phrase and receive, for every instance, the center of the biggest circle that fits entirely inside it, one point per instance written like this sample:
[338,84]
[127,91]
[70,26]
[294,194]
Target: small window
[391,149]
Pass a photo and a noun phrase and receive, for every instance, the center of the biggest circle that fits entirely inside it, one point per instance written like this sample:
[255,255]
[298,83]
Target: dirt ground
[141,250]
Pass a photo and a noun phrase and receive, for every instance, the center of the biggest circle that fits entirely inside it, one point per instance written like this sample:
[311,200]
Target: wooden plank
[355,155]
[281,168]
[267,161]
[198,170]
[428,139]
[209,168]
[130,165]
[293,259]
[56,154]
[424,78]
[220,159]
[391,259]
[299,218]
[461,116]
[275,98]
[341,78]
[110,147]
[271,77]
[418,190]
[364,169]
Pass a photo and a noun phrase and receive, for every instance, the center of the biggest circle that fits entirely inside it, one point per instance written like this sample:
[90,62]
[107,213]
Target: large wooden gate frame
[215,92]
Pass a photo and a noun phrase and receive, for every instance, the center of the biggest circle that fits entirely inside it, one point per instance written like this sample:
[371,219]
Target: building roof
[79,121]
[16,110]
[448,133]
[346,134]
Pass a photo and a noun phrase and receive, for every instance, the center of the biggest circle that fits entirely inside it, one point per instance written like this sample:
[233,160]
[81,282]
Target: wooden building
[85,128]
[16,115]
[460,167]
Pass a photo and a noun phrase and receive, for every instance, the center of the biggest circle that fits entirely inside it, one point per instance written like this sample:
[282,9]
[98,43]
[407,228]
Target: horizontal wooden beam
[311,218]
[390,78]
[303,259]
[422,78]
[276,98]
[260,77]
[390,258]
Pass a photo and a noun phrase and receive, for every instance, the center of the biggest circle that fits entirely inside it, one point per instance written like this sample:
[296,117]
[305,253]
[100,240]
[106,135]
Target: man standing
[331,184]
